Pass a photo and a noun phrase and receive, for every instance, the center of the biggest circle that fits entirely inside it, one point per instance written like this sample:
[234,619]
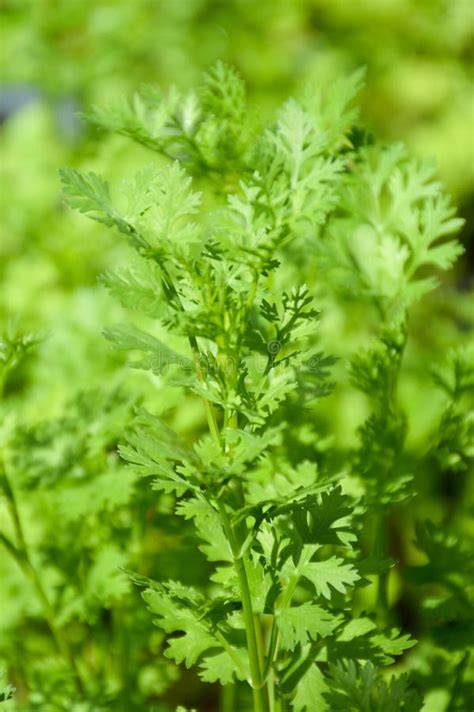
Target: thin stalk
[382,597]
[260,697]
[228,698]
[252,623]
[268,671]
[3,378]
[381,530]
[380,550]
[20,552]
[271,690]
[210,415]
[192,340]
[260,643]
[271,649]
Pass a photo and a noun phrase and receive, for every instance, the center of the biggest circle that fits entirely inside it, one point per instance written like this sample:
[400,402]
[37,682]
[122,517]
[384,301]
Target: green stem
[260,643]
[381,529]
[252,622]
[258,689]
[21,554]
[268,671]
[271,649]
[210,415]
[380,551]
[382,598]
[271,691]
[228,698]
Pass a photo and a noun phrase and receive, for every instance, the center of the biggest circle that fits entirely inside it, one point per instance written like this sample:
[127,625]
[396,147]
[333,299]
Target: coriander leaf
[300,624]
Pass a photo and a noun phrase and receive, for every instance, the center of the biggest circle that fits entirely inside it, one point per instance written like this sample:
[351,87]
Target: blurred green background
[59,57]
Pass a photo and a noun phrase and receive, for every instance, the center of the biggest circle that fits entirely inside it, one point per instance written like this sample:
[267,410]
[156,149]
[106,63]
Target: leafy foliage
[284,561]
[355,689]
[264,544]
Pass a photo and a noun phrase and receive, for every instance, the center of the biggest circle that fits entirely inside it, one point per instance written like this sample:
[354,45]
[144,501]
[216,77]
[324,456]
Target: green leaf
[310,691]
[456,376]
[360,689]
[393,215]
[177,608]
[332,573]
[209,528]
[88,194]
[154,450]
[138,288]
[6,691]
[301,624]
[392,643]
[158,355]
[318,519]
[356,627]
[222,667]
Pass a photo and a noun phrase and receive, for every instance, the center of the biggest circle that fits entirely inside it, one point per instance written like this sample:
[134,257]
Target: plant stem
[268,671]
[228,698]
[271,649]
[210,415]
[22,555]
[252,622]
[260,697]
[380,550]
[192,340]
[381,528]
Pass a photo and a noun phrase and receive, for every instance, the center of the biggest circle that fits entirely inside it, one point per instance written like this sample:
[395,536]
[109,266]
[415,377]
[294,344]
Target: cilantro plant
[236,229]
